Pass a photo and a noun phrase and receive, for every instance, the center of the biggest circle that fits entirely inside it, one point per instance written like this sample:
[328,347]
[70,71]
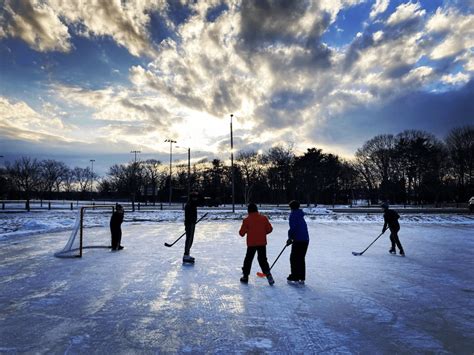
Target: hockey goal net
[76,242]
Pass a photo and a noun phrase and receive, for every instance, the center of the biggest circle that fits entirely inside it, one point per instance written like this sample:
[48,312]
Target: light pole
[92,175]
[189,168]
[232,163]
[135,152]
[170,141]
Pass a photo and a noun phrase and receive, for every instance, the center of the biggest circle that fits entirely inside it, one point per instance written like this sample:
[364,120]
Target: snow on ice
[24,224]
[142,299]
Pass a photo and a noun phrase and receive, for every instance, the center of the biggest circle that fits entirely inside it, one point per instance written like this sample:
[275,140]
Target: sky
[92,79]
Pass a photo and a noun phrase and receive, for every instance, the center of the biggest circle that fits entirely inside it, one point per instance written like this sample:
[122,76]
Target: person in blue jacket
[298,238]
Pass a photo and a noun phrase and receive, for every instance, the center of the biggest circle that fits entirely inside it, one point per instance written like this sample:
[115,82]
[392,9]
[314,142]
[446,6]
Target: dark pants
[189,228]
[262,259]
[394,239]
[116,237]
[297,260]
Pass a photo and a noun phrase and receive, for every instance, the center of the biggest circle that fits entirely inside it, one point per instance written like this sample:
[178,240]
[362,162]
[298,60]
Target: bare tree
[5,183]
[419,158]
[25,175]
[52,172]
[279,161]
[251,167]
[154,175]
[68,180]
[460,145]
[375,162]
[82,177]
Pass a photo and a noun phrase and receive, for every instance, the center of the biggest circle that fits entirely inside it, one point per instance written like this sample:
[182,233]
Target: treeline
[413,167]
[28,178]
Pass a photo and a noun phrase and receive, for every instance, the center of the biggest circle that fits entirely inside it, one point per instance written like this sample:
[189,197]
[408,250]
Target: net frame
[68,251]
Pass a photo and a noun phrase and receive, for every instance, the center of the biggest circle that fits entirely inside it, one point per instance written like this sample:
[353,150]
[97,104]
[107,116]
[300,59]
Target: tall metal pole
[92,175]
[189,171]
[232,163]
[135,152]
[189,168]
[170,141]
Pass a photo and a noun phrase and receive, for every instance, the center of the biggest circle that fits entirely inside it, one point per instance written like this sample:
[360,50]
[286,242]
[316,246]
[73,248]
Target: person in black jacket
[116,227]
[190,218]
[390,218]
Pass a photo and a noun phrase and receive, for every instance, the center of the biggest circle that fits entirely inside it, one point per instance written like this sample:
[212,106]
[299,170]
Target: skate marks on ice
[146,301]
[205,308]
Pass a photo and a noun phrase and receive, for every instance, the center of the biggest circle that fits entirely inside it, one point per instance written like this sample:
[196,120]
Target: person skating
[256,227]
[391,222]
[298,238]
[116,227]
[190,218]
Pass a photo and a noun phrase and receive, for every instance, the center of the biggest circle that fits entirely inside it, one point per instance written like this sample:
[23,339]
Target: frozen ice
[143,299]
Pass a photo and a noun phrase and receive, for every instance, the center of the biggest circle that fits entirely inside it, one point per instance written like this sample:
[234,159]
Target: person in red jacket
[256,227]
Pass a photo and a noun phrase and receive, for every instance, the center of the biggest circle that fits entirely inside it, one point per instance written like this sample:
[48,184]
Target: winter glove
[289,242]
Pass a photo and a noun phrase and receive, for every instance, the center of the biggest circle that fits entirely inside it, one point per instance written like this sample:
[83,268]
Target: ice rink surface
[143,300]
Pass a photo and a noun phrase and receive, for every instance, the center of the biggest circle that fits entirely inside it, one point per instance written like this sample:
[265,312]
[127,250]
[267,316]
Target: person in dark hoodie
[298,238]
[390,218]
[190,218]
[116,227]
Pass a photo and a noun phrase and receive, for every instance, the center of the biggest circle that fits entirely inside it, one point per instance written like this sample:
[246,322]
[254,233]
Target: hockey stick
[182,235]
[362,252]
[261,274]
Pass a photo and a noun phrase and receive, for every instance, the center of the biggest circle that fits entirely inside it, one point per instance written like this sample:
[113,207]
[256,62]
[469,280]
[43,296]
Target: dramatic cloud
[333,7]
[406,13]
[35,23]
[379,7]
[434,112]
[276,65]
[456,31]
[215,80]
[126,22]
[46,25]
[19,120]
[455,79]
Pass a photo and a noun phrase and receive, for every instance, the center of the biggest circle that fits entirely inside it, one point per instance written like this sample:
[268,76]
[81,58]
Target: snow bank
[317,211]
[24,224]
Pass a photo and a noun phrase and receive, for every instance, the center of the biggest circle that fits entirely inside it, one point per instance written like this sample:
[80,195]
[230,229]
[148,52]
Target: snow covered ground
[16,224]
[143,300]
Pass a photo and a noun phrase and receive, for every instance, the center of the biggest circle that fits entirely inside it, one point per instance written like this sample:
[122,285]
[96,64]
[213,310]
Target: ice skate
[402,253]
[291,280]
[392,251]
[187,259]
